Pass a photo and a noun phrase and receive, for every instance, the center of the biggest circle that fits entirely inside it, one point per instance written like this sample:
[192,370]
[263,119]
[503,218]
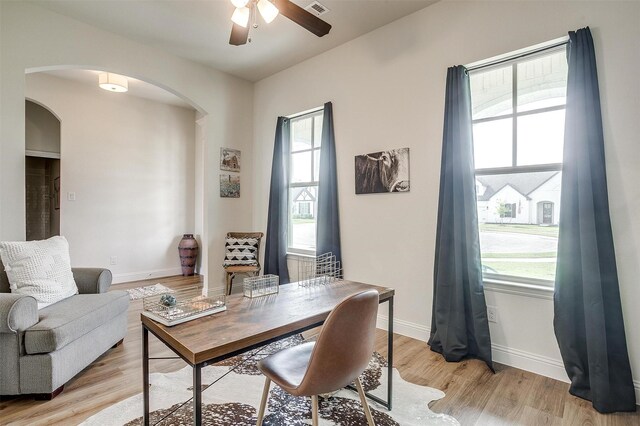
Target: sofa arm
[92,280]
[17,312]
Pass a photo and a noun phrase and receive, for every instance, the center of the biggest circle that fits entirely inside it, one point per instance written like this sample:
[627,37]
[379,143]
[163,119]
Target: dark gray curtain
[275,253]
[328,220]
[459,325]
[588,314]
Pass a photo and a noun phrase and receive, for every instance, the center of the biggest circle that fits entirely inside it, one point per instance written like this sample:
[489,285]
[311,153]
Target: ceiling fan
[245,9]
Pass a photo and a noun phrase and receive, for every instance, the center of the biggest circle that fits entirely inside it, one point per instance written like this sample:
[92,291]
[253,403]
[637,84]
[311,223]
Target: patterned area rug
[234,387]
[150,290]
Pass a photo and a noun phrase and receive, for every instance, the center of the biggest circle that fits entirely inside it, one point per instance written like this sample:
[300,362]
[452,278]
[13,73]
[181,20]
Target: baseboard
[528,361]
[145,275]
[406,328]
[539,364]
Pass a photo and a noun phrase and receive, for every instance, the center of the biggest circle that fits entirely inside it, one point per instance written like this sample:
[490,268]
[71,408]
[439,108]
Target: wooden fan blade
[302,17]
[239,35]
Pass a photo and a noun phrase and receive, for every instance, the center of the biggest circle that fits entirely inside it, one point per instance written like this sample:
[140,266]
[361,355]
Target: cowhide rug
[234,388]
[149,290]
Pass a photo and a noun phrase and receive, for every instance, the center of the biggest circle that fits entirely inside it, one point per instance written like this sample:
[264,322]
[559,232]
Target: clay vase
[188,250]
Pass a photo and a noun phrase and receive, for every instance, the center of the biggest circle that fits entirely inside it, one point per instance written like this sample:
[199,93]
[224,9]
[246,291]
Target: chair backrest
[257,235]
[345,345]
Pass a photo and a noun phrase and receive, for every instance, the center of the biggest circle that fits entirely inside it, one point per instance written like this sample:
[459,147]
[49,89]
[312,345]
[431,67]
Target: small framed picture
[230,186]
[230,159]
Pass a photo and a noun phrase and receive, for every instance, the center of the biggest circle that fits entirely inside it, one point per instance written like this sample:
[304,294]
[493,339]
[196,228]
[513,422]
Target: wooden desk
[251,323]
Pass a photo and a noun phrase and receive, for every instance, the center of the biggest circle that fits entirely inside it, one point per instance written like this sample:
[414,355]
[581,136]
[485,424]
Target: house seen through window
[518,130]
[306,134]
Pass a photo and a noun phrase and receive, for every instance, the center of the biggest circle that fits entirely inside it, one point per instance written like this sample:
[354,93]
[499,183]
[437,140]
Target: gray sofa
[42,350]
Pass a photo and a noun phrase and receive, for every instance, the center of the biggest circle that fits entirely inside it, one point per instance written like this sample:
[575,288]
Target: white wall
[387,89]
[130,163]
[32,38]
[42,129]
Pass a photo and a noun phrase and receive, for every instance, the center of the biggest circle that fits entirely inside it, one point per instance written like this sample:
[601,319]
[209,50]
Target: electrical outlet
[71,196]
[113,260]
[492,314]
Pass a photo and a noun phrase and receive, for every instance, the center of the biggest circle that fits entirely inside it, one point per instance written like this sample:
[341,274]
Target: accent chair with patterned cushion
[242,255]
[43,349]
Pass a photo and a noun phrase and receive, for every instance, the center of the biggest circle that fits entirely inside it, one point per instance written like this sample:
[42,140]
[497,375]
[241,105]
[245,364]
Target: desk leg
[386,403]
[197,395]
[145,375]
[390,355]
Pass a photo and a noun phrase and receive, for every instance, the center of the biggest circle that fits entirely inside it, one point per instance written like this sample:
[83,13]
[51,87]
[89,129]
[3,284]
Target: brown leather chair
[342,352]
[231,271]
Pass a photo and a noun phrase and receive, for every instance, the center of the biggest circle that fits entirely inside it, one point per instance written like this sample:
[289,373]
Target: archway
[80,175]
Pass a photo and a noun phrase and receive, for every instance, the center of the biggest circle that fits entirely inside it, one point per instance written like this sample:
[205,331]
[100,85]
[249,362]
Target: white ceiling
[137,88]
[199,29]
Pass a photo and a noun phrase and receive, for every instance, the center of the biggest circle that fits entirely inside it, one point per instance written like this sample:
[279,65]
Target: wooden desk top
[248,322]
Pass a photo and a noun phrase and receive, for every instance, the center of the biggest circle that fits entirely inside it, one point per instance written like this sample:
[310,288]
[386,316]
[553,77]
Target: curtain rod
[307,112]
[521,55]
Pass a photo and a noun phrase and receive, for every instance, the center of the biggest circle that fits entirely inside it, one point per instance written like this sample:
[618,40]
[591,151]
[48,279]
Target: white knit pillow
[41,269]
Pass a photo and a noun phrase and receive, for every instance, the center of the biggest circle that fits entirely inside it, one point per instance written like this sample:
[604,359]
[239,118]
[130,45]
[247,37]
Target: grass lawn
[296,221]
[537,255]
[540,270]
[546,231]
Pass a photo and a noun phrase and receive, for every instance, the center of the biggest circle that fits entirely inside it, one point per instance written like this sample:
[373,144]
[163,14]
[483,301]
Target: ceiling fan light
[239,3]
[241,16]
[268,10]
[113,82]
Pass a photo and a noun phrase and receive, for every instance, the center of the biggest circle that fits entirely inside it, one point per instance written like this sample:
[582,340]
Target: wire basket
[321,270]
[182,305]
[261,286]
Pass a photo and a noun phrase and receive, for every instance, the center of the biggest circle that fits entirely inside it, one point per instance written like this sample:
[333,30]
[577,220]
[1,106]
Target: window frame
[313,183]
[502,279]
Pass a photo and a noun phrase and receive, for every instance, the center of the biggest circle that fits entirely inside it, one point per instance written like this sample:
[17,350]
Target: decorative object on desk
[230,186]
[262,285]
[230,159]
[149,290]
[188,304]
[319,270]
[168,300]
[188,251]
[384,171]
[231,400]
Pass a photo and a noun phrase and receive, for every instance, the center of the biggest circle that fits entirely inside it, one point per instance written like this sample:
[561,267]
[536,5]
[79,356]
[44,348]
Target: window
[518,112]
[507,210]
[305,209]
[306,135]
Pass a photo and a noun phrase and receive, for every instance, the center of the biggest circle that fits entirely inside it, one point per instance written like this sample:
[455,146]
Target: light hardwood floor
[474,395]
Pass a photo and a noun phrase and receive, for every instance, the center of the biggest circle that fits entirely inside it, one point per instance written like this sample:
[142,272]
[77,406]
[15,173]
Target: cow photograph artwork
[384,171]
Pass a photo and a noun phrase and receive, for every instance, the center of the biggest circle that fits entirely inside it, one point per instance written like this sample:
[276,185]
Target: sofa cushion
[41,269]
[69,319]
[241,251]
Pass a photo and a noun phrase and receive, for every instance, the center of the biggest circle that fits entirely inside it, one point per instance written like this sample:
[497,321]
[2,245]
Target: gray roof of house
[524,183]
[297,191]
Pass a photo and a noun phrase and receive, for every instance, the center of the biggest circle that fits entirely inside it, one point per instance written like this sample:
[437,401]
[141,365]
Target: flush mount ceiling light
[269,10]
[113,82]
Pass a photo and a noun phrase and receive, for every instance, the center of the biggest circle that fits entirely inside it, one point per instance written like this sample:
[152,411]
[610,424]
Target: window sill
[518,289]
[301,255]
